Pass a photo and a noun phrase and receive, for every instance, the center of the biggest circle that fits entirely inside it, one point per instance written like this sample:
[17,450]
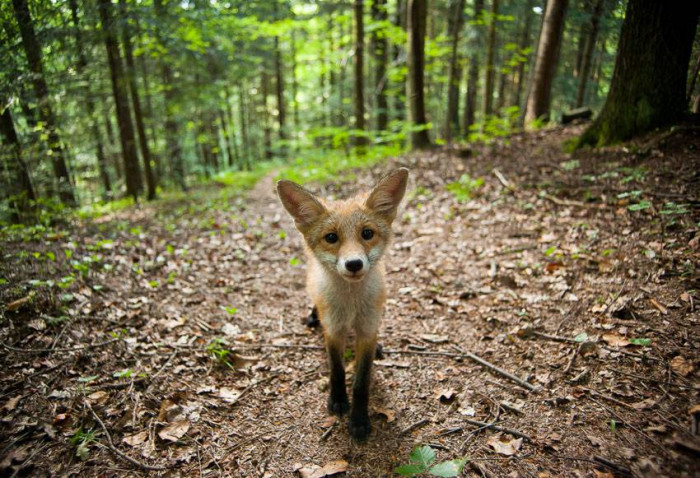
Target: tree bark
[648,87]
[400,20]
[415,91]
[473,74]
[524,42]
[136,103]
[32,50]
[20,189]
[587,57]
[245,142]
[360,139]
[267,132]
[279,85]
[490,56]
[455,23]
[170,98]
[90,103]
[380,52]
[538,102]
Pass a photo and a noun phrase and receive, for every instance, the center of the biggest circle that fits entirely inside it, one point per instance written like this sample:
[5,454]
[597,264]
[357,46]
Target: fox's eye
[367,234]
[331,238]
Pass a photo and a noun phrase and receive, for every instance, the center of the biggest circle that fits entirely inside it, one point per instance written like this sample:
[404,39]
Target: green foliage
[81,441]
[218,351]
[422,459]
[465,188]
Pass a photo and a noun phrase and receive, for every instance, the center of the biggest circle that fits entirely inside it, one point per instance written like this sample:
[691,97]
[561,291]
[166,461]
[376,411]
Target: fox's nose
[354,265]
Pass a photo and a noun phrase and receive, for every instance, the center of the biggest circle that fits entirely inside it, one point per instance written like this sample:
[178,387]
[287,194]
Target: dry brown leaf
[615,340]
[315,471]
[11,404]
[602,474]
[175,430]
[504,445]
[329,421]
[682,366]
[387,413]
[16,304]
[229,395]
[434,338]
[694,409]
[644,404]
[658,306]
[446,395]
[98,398]
[136,439]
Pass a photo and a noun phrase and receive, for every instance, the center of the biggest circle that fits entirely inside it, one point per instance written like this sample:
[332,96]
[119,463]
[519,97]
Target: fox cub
[345,242]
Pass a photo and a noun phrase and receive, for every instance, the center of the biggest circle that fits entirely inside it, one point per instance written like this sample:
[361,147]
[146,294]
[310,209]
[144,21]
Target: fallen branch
[413,426]
[561,202]
[492,426]
[502,179]
[116,451]
[498,370]
[67,349]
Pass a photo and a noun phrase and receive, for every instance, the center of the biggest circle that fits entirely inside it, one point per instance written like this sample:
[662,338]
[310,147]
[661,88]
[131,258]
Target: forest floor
[180,347]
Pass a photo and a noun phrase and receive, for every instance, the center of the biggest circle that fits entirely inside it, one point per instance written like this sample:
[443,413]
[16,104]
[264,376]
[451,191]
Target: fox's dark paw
[359,427]
[339,406]
[379,352]
[312,320]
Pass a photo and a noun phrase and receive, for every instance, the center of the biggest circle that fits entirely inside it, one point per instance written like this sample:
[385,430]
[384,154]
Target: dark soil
[185,332]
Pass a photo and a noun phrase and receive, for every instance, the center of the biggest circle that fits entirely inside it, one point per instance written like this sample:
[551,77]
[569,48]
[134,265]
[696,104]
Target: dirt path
[183,330]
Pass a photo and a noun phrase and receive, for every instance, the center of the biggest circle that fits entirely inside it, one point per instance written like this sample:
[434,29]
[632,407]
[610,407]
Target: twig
[327,433]
[67,349]
[492,426]
[562,202]
[249,388]
[623,470]
[118,385]
[573,357]
[622,420]
[413,426]
[110,445]
[498,370]
[503,180]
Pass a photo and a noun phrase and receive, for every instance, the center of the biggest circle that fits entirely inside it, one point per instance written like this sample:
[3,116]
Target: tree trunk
[360,139]
[121,100]
[524,42]
[295,86]
[648,87]
[539,100]
[267,132]
[490,56]
[245,142]
[136,102]
[473,74]
[380,52]
[90,103]
[170,98]
[455,23]
[32,50]
[415,91]
[400,20]
[587,57]
[19,188]
[226,137]
[279,84]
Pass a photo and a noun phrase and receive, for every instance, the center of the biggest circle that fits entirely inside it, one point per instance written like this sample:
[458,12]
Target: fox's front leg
[338,398]
[359,425]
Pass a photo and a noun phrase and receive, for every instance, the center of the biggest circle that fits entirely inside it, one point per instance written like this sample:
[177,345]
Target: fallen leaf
[315,471]
[175,430]
[229,395]
[434,338]
[467,411]
[682,366]
[230,329]
[329,421]
[136,439]
[11,404]
[644,404]
[387,413]
[446,395]
[16,304]
[503,445]
[660,307]
[98,398]
[615,340]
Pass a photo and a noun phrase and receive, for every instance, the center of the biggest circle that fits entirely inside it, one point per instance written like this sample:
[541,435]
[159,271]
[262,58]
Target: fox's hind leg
[338,399]
[365,348]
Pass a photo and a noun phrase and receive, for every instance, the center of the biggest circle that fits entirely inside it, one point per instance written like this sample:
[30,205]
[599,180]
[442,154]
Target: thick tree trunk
[359,100]
[295,85]
[245,141]
[400,20]
[539,100]
[454,27]
[20,188]
[587,57]
[267,131]
[121,100]
[648,87]
[279,85]
[524,42]
[173,150]
[473,73]
[90,103]
[490,57]
[136,103]
[32,50]
[380,53]
[415,91]
[225,132]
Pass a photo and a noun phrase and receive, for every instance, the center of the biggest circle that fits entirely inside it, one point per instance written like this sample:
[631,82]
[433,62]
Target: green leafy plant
[464,189]
[422,460]
[218,351]
[81,441]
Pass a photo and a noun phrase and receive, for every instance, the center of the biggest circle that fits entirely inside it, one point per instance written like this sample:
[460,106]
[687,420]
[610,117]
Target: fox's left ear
[386,196]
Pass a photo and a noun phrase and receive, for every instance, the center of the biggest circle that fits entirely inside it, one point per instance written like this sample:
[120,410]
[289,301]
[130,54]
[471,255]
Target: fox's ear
[386,196]
[300,203]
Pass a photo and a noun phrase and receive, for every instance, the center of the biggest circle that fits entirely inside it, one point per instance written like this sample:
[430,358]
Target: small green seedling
[422,460]
[81,441]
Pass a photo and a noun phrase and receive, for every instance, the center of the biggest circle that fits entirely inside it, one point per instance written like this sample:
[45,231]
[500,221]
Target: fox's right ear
[300,203]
